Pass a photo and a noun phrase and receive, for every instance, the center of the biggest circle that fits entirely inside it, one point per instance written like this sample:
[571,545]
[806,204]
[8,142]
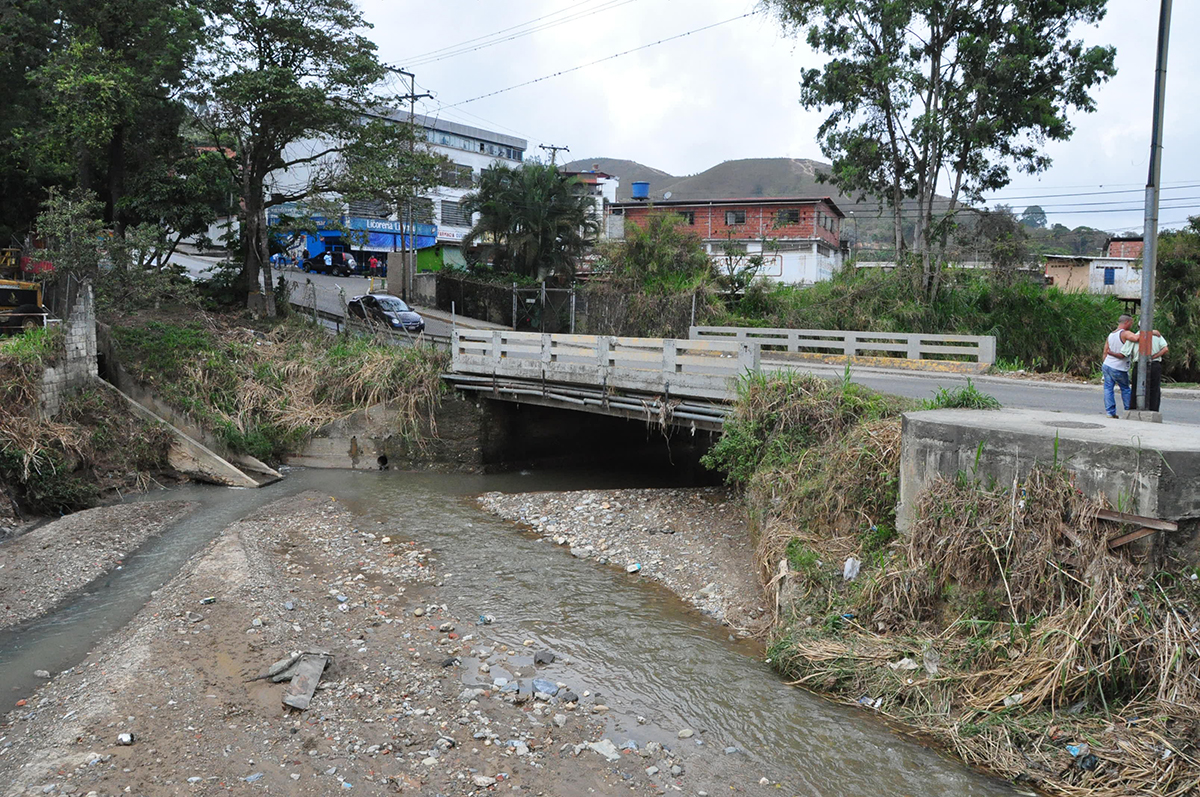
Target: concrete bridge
[688,383]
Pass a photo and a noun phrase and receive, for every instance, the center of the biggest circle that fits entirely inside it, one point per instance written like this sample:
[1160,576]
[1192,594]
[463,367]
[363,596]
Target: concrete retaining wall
[1144,468]
[78,367]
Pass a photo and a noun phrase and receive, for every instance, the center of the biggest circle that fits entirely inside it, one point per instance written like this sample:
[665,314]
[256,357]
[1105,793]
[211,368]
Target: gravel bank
[692,540]
[45,567]
[415,701]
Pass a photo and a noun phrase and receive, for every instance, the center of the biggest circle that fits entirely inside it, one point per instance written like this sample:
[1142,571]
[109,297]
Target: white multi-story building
[471,150]
[440,224]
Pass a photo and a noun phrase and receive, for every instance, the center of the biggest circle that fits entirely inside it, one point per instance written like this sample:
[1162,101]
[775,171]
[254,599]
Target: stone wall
[78,368]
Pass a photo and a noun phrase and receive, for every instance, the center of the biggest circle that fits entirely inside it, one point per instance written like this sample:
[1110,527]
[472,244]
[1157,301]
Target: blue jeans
[1112,376]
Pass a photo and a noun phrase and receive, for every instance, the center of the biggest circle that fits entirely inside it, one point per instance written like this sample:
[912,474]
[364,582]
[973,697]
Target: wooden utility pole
[553,150]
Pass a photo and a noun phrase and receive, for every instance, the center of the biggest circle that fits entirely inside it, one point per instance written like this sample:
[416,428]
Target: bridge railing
[698,368]
[903,349]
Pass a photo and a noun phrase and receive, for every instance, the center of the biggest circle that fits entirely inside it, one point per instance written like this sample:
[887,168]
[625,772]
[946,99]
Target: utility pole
[408,267]
[1150,233]
[553,150]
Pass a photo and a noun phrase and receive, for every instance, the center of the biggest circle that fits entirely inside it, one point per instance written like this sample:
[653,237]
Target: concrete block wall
[78,367]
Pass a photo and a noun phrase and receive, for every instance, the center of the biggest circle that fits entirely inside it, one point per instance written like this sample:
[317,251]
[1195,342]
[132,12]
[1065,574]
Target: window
[455,176]
[368,209]
[453,215]
[1110,276]
[735,217]
[689,216]
[788,216]
[422,210]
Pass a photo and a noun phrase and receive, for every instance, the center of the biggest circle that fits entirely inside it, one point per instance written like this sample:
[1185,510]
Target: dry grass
[1025,633]
[265,392]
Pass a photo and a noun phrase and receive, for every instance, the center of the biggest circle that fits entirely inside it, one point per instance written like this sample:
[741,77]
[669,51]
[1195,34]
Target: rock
[453,661]
[418,612]
[651,771]
[192,617]
[730,750]
[606,748]
[254,777]
[630,746]
[41,673]
[599,708]
[446,628]
[125,739]
[686,733]
[289,606]
[560,720]
[568,697]
[676,770]
[543,657]
[542,685]
[483,781]
[195,779]
[764,782]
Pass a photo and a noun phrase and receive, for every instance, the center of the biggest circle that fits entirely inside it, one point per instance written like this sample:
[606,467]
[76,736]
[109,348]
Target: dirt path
[392,714]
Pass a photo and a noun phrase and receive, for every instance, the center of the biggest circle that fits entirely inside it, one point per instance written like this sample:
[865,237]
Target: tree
[285,86]
[1177,286]
[533,220]
[1034,217]
[661,257]
[927,90]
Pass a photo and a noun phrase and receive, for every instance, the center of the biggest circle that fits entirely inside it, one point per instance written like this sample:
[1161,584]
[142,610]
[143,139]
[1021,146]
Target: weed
[967,397]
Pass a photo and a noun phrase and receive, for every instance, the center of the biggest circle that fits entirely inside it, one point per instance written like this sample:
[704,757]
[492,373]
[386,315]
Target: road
[1178,406]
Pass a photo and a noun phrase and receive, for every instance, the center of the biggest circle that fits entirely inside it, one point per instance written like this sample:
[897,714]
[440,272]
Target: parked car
[386,309]
[344,264]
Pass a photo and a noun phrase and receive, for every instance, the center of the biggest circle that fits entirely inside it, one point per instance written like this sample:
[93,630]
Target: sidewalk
[457,320]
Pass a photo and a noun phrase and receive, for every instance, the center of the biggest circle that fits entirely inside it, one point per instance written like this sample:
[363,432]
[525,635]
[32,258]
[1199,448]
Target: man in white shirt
[1116,366]
[1158,347]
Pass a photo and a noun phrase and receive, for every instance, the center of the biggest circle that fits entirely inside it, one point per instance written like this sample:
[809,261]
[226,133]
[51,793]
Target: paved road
[1178,406]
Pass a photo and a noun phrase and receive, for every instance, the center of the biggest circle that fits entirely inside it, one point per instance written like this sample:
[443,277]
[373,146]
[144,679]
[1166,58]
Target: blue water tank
[641,189]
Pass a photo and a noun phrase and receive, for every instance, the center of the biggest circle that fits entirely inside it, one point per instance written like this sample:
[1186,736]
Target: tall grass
[263,394]
[1045,329]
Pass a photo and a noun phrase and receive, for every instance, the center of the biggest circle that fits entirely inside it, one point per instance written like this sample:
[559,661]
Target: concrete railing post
[914,347]
[669,364]
[547,353]
[987,350]
[850,342]
[748,357]
[497,348]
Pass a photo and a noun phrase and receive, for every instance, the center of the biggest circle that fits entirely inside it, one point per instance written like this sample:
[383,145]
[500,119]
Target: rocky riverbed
[415,700]
[693,540]
[44,567]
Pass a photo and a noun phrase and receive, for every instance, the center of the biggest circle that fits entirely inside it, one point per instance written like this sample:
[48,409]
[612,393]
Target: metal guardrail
[975,351]
[696,368]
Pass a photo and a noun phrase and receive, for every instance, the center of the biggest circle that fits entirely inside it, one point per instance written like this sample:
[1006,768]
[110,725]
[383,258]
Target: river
[660,665]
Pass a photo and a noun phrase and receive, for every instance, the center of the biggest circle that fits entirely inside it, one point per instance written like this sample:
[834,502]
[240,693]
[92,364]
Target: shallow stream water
[660,665]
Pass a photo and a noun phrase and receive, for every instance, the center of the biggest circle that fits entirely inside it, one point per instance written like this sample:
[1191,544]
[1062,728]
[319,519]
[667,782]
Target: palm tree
[533,221]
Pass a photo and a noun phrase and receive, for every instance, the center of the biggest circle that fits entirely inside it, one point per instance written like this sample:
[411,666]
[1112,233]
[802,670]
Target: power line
[456,50]
[601,60]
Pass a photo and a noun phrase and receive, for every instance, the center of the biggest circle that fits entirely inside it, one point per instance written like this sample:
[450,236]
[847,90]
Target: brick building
[1126,246]
[799,238]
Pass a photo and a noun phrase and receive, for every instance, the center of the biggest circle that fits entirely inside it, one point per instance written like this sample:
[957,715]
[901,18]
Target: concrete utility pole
[408,267]
[553,150]
[1150,233]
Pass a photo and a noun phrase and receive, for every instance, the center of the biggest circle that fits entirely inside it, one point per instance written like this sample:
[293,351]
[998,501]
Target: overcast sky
[731,91]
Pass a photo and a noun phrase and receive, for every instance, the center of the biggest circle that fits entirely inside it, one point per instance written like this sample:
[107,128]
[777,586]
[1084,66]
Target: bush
[961,398]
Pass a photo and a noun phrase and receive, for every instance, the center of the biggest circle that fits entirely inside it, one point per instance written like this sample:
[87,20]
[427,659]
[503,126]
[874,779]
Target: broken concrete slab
[304,682]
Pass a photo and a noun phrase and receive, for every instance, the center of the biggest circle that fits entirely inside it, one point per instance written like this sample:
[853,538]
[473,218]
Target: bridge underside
[654,409]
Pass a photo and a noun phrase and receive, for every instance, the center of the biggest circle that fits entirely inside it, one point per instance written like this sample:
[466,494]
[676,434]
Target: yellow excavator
[20,300]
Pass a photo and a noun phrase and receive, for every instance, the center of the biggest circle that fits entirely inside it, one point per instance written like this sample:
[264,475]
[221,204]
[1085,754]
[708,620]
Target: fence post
[572,310]
[496,350]
[514,317]
[547,352]
[851,344]
[542,315]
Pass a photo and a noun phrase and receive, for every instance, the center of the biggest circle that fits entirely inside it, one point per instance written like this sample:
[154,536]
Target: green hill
[751,177]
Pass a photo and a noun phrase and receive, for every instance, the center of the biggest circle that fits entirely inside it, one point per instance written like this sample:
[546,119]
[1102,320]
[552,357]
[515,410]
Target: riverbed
[375,567]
